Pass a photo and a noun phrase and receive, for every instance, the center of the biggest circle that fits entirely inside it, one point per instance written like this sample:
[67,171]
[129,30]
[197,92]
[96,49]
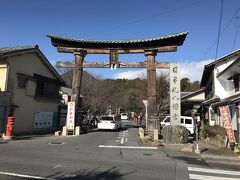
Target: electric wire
[224,29]
[219,28]
[236,32]
[149,17]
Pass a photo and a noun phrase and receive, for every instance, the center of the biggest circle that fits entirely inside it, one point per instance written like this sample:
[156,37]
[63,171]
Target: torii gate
[150,47]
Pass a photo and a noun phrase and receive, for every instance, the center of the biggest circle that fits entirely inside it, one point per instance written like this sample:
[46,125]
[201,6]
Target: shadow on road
[191,160]
[94,174]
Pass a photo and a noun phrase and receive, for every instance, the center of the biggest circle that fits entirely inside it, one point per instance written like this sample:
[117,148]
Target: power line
[149,17]
[219,28]
[236,32]
[224,29]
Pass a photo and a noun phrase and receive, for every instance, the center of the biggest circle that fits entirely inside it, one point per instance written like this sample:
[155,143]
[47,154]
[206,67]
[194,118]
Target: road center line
[127,147]
[122,140]
[24,176]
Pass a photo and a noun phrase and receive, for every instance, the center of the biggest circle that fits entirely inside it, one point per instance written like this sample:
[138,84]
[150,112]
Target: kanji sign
[175,106]
[70,115]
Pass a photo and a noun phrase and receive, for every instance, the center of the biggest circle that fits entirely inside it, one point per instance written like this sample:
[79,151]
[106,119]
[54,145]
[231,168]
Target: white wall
[3,77]
[223,88]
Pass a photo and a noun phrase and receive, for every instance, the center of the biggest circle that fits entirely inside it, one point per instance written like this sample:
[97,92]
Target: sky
[28,22]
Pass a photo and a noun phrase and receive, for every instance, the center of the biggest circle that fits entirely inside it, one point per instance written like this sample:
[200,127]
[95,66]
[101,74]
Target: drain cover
[56,143]
[145,154]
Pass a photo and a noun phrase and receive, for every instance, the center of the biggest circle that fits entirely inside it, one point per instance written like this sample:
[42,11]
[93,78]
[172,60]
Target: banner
[70,115]
[226,117]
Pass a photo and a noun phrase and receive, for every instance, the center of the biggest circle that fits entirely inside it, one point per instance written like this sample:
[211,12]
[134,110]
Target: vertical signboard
[226,117]
[175,105]
[70,115]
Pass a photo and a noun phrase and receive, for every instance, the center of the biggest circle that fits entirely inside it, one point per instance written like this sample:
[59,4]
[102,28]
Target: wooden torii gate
[149,47]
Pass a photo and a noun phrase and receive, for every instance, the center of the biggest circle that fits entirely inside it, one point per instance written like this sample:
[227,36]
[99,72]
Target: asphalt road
[98,155]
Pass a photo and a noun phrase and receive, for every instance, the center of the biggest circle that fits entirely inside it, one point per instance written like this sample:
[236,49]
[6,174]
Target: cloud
[131,74]
[190,69]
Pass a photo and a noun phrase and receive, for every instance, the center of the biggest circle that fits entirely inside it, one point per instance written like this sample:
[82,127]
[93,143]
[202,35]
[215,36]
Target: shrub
[202,134]
[212,131]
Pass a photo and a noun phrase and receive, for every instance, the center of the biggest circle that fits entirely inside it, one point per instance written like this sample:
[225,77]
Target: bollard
[9,130]
[57,133]
[155,135]
[77,130]
[141,133]
[64,131]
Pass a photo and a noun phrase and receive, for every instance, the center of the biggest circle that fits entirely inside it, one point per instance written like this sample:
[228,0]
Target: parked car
[124,116]
[109,122]
[186,121]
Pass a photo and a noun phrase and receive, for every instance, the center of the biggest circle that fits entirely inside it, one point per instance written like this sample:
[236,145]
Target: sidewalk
[26,137]
[211,153]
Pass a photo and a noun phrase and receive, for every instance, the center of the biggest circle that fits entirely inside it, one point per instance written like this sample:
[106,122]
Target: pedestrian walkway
[212,174]
[211,153]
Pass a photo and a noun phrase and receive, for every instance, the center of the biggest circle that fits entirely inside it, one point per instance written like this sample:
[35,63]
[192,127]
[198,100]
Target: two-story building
[29,89]
[221,82]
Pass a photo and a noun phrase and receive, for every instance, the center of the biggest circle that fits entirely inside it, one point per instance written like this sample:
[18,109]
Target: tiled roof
[173,39]
[118,41]
[7,50]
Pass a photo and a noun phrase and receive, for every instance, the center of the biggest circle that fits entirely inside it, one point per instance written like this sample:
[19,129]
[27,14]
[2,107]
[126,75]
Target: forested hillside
[123,93]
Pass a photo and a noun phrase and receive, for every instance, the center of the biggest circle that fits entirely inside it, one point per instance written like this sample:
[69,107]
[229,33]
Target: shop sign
[226,117]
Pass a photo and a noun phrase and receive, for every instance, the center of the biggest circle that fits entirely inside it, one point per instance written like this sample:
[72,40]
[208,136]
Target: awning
[212,100]
[230,100]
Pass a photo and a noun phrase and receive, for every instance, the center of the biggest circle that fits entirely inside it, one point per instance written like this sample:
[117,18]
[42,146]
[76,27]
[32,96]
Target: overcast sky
[27,22]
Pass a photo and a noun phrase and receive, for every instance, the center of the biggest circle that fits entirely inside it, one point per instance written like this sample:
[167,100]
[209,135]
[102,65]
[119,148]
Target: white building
[221,82]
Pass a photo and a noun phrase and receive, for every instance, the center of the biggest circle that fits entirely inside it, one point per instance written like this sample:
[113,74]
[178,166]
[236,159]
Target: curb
[218,157]
[180,147]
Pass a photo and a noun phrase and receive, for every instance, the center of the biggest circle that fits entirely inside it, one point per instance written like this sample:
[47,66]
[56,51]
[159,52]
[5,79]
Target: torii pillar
[77,80]
[151,90]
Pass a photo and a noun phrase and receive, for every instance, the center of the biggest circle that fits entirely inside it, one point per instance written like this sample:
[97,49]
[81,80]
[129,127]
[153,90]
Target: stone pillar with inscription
[77,79]
[175,104]
[151,89]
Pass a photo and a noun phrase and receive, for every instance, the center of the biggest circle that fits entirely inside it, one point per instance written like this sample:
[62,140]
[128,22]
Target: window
[236,82]
[22,82]
[167,119]
[107,118]
[40,88]
[47,87]
[182,120]
[188,121]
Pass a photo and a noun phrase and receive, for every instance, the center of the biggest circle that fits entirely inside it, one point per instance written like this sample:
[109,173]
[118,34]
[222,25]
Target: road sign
[145,102]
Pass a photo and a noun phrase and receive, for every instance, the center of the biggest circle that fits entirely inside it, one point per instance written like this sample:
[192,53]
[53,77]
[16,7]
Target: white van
[186,121]
[124,116]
